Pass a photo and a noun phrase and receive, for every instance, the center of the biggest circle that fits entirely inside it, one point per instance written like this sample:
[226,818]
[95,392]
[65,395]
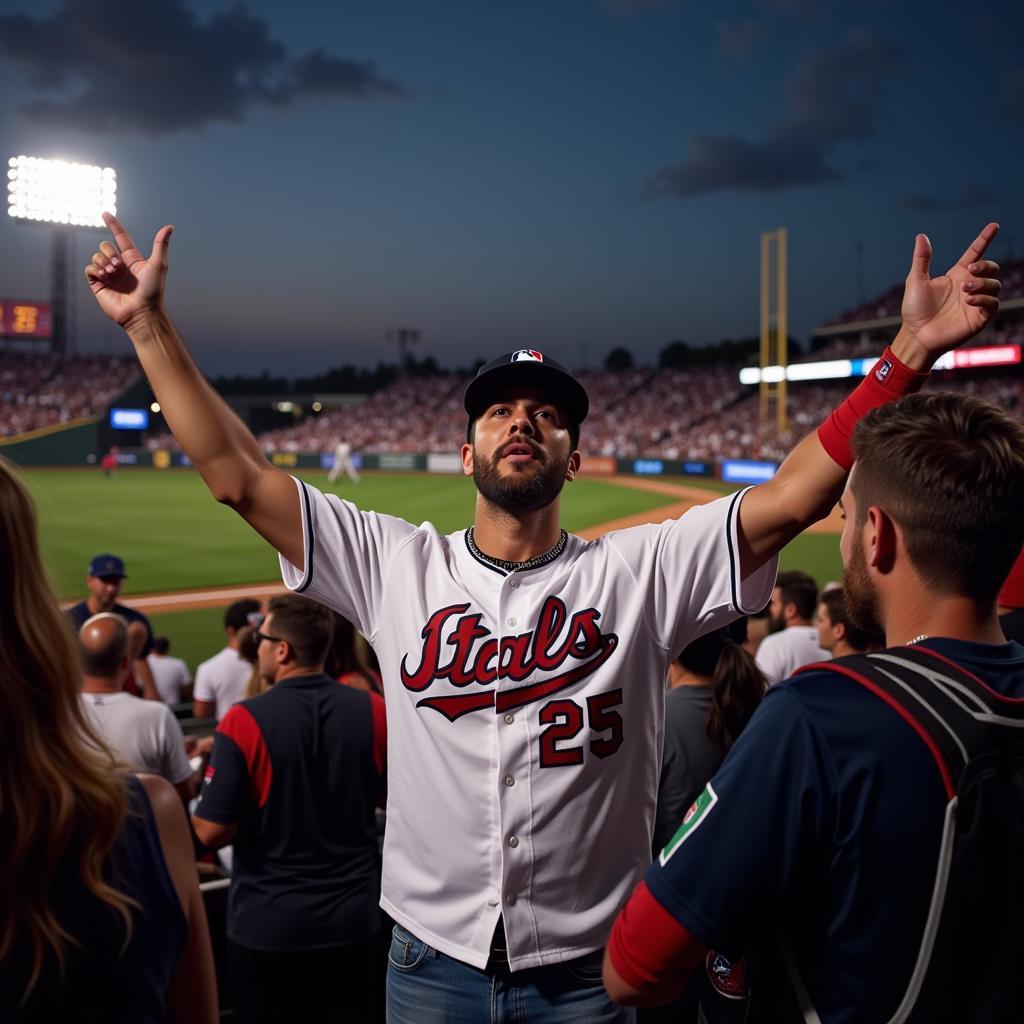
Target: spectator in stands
[145,735]
[351,660]
[818,841]
[249,650]
[794,639]
[292,783]
[171,675]
[714,688]
[838,634]
[1011,602]
[222,679]
[102,916]
[104,580]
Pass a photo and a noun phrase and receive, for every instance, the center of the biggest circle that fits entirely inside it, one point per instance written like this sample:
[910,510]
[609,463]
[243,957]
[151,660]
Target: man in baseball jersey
[523,666]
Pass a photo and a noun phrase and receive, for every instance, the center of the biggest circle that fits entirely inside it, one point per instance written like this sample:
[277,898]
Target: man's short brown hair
[835,608]
[799,589]
[305,624]
[949,470]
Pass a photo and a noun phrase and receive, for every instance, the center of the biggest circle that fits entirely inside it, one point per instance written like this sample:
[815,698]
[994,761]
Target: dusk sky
[567,175]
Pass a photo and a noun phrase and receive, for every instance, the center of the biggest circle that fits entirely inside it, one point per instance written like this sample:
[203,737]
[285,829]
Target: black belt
[499,946]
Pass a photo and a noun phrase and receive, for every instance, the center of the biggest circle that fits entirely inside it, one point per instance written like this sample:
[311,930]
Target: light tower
[65,196]
[774,344]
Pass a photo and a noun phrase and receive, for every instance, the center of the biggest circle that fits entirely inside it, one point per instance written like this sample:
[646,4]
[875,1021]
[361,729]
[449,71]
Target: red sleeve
[380,733]
[239,724]
[648,945]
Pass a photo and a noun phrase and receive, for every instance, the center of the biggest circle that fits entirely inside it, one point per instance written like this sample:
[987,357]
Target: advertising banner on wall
[744,471]
[444,462]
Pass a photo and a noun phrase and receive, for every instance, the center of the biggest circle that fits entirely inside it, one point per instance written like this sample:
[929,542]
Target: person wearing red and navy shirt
[292,784]
[818,840]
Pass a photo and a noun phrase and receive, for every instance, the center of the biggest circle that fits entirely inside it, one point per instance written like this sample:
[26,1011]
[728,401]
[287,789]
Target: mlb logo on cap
[529,355]
[106,565]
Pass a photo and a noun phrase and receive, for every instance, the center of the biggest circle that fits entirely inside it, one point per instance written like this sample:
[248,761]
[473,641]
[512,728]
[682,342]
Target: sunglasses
[260,637]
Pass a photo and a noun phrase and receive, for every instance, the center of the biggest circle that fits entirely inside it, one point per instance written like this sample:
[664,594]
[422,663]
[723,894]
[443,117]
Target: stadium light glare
[59,192]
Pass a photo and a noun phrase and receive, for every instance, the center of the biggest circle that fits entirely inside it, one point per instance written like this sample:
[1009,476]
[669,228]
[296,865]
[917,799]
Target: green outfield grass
[173,536]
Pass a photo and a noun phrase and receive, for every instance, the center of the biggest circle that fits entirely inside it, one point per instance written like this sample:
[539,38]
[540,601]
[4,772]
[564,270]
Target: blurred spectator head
[837,634]
[793,600]
[944,474]
[241,613]
[161,644]
[103,579]
[105,645]
[294,637]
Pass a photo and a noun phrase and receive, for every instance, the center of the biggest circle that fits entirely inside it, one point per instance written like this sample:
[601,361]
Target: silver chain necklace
[916,640]
[509,566]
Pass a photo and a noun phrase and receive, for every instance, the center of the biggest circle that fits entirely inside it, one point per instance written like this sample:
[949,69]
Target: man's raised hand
[940,313]
[125,283]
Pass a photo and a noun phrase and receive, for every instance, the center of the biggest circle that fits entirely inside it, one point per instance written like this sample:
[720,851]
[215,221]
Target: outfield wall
[734,470]
[78,444]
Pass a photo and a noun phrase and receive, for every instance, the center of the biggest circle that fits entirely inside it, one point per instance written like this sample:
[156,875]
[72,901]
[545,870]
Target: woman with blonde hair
[101,916]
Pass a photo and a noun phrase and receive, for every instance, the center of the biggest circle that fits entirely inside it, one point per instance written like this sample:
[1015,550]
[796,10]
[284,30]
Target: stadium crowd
[39,391]
[786,776]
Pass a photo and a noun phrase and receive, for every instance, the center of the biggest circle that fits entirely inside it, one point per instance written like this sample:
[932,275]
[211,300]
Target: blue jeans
[427,987]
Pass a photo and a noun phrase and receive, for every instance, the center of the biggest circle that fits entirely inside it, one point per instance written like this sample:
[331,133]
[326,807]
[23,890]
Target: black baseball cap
[106,565]
[527,368]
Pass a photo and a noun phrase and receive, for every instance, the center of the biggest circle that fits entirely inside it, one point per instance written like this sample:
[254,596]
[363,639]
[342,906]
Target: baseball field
[175,538]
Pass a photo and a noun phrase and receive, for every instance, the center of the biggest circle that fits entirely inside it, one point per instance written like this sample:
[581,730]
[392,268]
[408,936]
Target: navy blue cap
[106,565]
[527,368]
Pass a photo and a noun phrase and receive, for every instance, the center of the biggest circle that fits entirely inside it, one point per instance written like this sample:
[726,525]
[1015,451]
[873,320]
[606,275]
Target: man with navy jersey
[818,840]
[292,783]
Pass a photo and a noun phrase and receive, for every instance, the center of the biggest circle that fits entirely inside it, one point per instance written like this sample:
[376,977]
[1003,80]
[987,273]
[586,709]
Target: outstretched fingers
[921,261]
[121,237]
[160,241]
[977,248]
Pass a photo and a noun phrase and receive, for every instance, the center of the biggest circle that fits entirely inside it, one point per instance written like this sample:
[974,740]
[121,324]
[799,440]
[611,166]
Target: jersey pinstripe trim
[308,539]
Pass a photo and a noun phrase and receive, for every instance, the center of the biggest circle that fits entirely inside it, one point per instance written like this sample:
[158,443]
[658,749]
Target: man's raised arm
[938,314]
[130,290]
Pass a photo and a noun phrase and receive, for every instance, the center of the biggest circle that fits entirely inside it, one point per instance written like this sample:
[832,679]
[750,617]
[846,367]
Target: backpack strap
[956,715]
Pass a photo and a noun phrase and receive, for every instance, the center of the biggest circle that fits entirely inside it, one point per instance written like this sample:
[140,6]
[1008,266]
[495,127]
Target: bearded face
[859,593]
[518,487]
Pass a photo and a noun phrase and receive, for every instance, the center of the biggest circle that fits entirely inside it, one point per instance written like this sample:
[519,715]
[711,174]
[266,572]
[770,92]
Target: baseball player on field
[523,667]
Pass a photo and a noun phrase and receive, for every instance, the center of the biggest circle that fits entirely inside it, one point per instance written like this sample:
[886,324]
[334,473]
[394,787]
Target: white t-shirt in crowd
[170,674]
[782,653]
[222,680]
[143,733]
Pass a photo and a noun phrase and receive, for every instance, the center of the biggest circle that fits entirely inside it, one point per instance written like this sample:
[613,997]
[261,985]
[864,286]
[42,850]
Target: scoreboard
[20,319]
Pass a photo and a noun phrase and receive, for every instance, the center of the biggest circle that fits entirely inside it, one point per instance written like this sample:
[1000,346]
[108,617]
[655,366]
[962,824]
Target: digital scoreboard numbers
[20,319]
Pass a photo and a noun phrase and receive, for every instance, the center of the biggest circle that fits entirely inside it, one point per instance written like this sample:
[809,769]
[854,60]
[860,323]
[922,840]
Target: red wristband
[888,380]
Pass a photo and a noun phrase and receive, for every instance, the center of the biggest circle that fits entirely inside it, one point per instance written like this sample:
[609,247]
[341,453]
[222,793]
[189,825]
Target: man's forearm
[214,438]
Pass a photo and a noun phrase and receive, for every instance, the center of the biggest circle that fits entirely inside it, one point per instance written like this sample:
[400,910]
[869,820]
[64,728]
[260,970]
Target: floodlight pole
[60,294]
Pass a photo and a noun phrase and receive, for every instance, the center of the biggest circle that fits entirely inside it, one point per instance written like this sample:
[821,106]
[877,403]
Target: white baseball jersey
[525,712]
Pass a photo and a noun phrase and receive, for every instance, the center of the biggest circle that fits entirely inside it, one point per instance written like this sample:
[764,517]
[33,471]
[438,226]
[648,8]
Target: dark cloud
[164,70]
[1015,91]
[972,195]
[833,97]
[738,40]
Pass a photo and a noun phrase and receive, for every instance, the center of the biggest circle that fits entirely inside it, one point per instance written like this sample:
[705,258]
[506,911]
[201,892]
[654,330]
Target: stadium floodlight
[58,192]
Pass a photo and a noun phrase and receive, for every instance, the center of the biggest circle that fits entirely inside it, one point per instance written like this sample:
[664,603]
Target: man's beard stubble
[517,493]
[859,596]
